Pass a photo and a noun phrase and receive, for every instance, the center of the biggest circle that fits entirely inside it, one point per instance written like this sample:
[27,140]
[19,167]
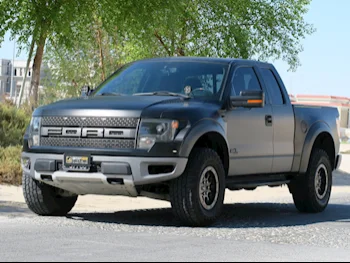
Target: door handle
[268,120]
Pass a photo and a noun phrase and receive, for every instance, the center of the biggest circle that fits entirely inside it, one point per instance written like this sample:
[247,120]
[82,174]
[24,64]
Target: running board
[252,182]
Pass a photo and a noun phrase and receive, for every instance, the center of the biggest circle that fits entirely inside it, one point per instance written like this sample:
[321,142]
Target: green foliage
[13,124]
[45,21]
[96,56]
[54,19]
[88,40]
[251,29]
[10,165]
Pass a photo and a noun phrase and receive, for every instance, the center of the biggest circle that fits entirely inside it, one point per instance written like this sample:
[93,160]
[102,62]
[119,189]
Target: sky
[325,60]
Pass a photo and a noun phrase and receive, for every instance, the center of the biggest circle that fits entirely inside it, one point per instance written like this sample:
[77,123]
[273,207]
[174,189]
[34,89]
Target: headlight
[34,132]
[152,131]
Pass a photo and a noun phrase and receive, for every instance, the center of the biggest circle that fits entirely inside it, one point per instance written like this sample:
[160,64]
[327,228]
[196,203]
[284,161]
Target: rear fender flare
[314,132]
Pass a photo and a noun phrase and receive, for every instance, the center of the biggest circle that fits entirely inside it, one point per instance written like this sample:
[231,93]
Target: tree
[94,56]
[251,29]
[31,50]
[85,30]
[61,22]
[41,20]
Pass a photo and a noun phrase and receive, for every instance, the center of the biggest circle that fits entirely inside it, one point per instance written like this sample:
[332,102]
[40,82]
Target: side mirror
[86,91]
[249,99]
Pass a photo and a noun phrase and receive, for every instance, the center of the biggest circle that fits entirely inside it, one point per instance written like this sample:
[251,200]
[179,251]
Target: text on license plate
[76,160]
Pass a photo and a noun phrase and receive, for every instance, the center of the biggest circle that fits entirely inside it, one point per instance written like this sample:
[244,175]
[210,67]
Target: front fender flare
[197,131]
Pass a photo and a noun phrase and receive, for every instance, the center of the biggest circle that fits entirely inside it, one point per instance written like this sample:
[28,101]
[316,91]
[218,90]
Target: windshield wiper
[162,93]
[110,94]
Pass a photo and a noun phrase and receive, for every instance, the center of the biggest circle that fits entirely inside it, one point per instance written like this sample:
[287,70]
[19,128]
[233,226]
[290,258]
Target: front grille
[100,141]
[87,143]
[96,122]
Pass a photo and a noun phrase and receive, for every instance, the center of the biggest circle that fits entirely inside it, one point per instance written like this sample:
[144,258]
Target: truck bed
[308,119]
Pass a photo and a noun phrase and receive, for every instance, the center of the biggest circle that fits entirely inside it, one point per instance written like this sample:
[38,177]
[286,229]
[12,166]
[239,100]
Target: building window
[15,72]
[29,73]
[21,72]
[8,86]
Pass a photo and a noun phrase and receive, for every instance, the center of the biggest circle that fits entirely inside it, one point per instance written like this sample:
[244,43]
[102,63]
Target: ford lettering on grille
[89,132]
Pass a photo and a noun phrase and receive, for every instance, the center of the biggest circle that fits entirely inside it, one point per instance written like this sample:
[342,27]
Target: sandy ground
[93,203]
[345,147]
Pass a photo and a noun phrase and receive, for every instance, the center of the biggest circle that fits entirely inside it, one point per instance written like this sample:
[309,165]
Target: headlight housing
[153,131]
[34,132]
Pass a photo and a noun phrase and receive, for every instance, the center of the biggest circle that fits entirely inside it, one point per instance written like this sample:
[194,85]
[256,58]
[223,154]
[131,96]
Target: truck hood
[126,106]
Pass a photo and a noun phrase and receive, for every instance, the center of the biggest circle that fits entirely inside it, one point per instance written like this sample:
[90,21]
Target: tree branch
[160,39]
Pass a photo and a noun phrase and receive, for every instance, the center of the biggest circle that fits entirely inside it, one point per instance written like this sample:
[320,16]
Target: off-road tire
[306,195]
[185,193]
[43,200]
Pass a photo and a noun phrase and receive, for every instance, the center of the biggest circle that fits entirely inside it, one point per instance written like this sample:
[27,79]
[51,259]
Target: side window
[245,79]
[272,87]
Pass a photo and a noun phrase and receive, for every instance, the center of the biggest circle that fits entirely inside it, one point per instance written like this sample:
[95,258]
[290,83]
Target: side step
[254,181]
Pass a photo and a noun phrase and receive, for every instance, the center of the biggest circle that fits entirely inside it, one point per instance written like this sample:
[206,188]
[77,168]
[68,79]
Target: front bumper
[99,183]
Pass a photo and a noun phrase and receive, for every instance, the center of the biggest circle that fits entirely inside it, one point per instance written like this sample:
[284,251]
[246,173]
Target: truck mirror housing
[249,99]
[86,91]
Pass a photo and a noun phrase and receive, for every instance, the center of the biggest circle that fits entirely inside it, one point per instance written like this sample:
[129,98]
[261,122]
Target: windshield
[162,78]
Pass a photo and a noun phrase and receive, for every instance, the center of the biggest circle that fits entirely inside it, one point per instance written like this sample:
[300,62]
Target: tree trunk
[36,69]
[182,46]
[25,74]
[100,46]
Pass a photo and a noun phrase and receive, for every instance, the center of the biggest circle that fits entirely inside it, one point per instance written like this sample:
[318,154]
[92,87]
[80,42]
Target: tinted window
[205,78]
[245,79]
[272,87]
[211,82]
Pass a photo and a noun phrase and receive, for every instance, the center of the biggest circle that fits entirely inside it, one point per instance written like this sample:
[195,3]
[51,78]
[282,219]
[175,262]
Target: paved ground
[257,226]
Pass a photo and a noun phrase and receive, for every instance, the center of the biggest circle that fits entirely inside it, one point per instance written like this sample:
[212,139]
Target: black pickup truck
[182,130]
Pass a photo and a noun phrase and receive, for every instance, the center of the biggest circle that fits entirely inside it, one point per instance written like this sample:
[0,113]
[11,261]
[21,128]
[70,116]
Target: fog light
[36,140]
[26,163]
[146,142]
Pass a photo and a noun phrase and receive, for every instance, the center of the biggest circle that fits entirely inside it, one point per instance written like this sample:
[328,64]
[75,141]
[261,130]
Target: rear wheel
[312,191]
[45,200]
[197,196]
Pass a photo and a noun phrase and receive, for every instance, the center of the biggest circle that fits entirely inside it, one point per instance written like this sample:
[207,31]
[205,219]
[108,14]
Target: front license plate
[77,162]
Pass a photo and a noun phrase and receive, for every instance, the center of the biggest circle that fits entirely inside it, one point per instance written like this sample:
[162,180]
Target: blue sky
[325,61]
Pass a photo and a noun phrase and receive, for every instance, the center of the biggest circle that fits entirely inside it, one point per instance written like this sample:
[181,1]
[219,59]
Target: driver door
[249,130]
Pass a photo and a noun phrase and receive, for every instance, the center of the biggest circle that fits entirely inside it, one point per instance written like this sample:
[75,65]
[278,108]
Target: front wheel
[312,191]
[44,200]
[197,197]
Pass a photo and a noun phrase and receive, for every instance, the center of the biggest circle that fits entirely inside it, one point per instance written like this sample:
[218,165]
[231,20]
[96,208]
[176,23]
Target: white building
[19,70]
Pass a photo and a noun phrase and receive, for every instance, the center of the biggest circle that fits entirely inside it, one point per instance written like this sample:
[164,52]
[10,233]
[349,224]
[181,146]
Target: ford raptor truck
[182,130]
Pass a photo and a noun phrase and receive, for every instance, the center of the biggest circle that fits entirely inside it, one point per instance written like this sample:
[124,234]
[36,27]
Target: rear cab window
[272,86]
